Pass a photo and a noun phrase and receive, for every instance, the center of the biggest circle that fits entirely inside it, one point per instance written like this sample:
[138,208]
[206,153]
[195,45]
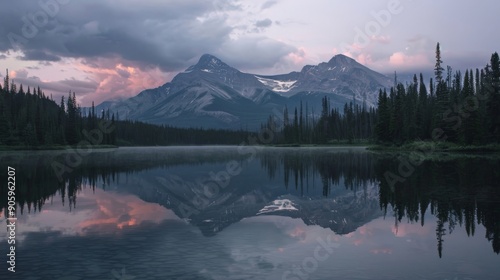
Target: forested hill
[31,119]
[462,108]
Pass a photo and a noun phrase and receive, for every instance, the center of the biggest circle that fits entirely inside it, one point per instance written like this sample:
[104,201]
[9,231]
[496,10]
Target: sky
[110,49]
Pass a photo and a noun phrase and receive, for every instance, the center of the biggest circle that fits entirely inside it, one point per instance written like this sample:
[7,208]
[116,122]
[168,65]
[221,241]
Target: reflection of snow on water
[278,205]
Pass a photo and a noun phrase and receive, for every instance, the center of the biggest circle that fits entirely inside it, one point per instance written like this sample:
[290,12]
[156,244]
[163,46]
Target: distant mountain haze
[212,94]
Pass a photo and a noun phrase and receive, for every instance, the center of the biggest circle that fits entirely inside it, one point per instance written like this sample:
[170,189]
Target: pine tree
[38,124]
[442,99]
[113,133]
[286,126]
[71,122]
[494,97]
[295,127]
[382,126]
[422,111]
[438,69]
[6,81]
[301,124]
[482,120]
[469,131]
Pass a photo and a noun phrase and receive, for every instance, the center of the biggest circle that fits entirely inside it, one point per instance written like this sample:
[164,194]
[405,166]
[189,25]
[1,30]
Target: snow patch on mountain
[278,205]
[277,85]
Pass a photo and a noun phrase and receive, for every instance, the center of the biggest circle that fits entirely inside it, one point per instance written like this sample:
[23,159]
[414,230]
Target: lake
[251,213]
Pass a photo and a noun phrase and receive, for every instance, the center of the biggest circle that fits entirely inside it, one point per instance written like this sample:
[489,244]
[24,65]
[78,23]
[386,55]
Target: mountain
[341,75]
[212,94]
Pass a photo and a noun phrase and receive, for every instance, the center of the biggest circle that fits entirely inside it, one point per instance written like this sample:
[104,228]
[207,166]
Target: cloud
[39,55]
[264,23]
[401,59]
[23,73]
[56,88]
[116,79]
[364,58]
[420,43]
[381,39]
[124,49]
[268,4]
[160,33]
[254,52]
[416,54]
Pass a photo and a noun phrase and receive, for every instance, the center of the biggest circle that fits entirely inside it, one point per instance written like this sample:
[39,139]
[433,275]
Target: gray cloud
[123,73]
[268,4]
[167,34]
[39,55]
[254,52]
[22,73]
[55,87]
[264,23]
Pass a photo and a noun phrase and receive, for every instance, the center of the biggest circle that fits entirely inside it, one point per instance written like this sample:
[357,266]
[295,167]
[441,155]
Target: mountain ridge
[212,94]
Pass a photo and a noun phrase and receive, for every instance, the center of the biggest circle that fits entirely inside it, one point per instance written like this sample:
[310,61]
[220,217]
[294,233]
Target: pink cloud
[19,74]
[118,79]
[381,39]
[352,50]
[96,80]
[401,59]
[298,57]
[355,50]
[364,58]
[395,61]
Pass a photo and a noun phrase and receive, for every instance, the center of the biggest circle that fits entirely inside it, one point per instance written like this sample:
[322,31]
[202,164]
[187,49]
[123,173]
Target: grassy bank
[331,143]
[438,147]
[51,147]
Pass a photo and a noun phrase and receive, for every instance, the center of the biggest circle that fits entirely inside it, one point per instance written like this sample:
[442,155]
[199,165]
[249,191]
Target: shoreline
[50,148]
[419,146]
[437,147]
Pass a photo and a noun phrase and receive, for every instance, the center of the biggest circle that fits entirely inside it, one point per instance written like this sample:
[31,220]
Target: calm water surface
[251,213]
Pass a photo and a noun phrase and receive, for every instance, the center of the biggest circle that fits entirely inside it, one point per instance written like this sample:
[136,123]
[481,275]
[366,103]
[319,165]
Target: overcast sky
[104,49]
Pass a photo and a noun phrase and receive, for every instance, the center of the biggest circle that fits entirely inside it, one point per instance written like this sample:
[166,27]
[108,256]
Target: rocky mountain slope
[212,94]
